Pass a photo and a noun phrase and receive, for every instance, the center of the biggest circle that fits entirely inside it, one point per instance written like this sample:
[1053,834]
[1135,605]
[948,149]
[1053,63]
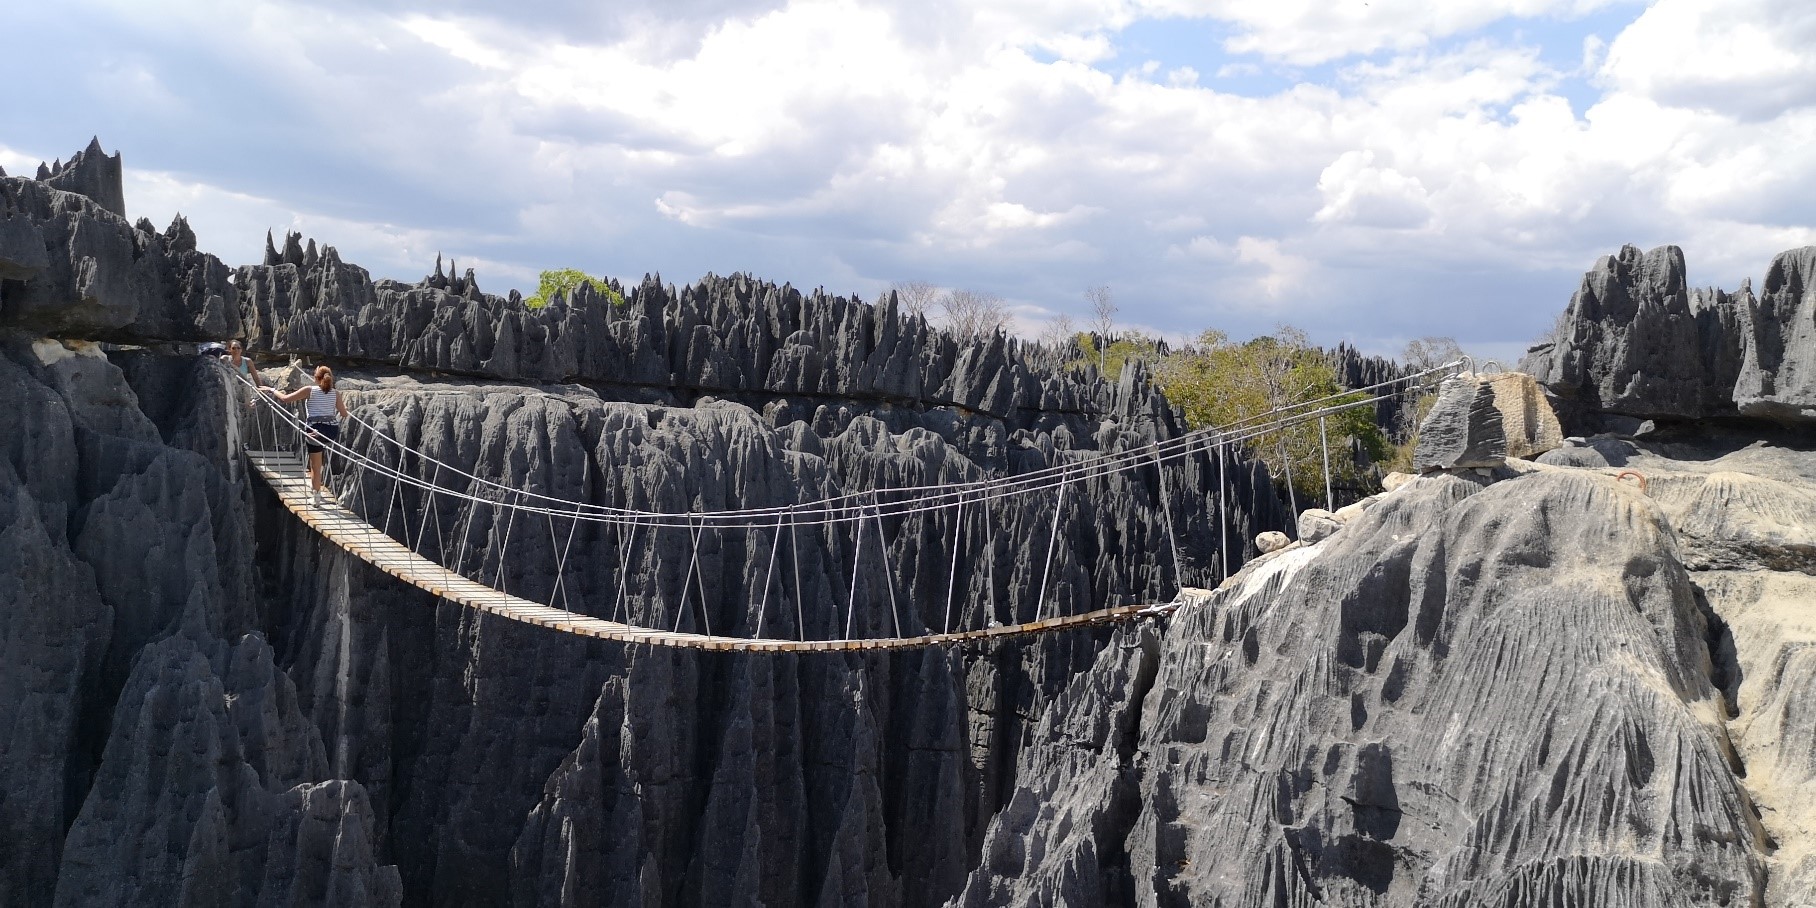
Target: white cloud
[1750,58]
[1279,272]
[17,163]
[1317,31]
[1001,147]
[456,40]
[1358,192]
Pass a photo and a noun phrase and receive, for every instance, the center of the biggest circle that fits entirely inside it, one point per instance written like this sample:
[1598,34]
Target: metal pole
[1330,503]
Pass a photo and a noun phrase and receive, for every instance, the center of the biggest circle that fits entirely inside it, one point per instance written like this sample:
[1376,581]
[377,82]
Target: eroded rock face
[1639,343]
[159,753]
[91,173]
[809,779]
[75,268]
[1462,699]
[729,336]
[1778,375]
[1463,429]
[1743,508]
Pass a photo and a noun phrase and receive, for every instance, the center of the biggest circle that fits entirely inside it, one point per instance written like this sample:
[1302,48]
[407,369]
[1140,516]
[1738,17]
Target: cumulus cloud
[1744,58]
[1317,31]
[1412,156]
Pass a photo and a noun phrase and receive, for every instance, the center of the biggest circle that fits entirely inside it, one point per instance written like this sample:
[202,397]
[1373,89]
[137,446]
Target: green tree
[565,281]
[1218,382]
[1130,346]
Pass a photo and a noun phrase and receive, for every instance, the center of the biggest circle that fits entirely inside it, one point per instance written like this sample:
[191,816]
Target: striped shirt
[319,406]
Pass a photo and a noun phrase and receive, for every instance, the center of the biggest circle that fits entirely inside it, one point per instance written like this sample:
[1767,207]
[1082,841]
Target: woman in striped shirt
[322,410]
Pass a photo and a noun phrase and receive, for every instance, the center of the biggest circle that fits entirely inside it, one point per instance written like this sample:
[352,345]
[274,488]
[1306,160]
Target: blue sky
[1371,171]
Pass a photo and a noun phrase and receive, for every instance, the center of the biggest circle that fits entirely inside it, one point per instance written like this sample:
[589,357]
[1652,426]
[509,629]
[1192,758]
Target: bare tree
[1059,332]
[916,297]
[1103,318]
[1430,352]
[973,313]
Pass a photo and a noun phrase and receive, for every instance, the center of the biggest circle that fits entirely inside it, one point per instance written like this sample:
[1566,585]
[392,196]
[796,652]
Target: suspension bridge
[370,488]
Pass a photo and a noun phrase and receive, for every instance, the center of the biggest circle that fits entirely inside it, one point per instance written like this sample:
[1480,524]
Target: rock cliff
[1537,683]
[226,710]
[1637,342]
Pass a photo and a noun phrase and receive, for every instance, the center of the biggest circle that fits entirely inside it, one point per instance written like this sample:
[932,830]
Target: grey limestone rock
[725,336]
[1778,377]
[1527,420]
[201,825]
[22,251]
[1060,838]
[1639,343]
[1461,701]
[1463,429]
[1316,524]
[94,276]
[53,629]
[91,173]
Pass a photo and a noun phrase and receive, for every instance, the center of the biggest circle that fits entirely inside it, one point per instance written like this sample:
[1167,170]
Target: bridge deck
[288,478]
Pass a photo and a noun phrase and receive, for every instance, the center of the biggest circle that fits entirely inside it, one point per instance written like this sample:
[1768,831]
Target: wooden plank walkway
[288,478]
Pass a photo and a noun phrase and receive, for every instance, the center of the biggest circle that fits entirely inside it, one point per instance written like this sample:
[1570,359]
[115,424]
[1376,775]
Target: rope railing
[919,499]
[362,475]
[858,506]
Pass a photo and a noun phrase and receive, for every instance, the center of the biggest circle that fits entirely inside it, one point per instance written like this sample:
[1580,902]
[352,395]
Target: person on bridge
[241,364]
[322,412]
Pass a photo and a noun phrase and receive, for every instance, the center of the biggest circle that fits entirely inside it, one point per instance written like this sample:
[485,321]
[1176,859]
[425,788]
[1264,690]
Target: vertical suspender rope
[1052,543]
[794,549]
[1166,509]
[466,531]
[775,545]
[624,569]
[505,549]
[561,563]
[391,504]
[428,503]
[857,557]
[441,539]
[958,529]
[1330,502]
[687,581]
[706,617]
[882,544]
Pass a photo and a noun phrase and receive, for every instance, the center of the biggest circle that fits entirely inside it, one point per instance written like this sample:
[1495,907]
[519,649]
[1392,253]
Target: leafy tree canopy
[1219,382]
[565,281]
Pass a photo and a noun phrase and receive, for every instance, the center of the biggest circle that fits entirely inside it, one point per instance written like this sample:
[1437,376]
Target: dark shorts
[318,431]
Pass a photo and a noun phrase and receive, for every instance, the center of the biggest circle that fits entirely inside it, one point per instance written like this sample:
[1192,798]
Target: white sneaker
[316,497]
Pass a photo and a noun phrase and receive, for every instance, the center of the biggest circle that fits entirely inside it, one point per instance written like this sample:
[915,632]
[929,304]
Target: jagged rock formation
[1572,682]
[1464,428]
[72,267]
[157,753]
[90,173]
[1540,685]
[727,336]
[341,738]
[1357,370]
[1466,696]
[1778,375]
[1637,342]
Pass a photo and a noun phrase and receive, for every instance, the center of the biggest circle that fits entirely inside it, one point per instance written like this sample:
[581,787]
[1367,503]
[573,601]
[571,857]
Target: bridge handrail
[933,497]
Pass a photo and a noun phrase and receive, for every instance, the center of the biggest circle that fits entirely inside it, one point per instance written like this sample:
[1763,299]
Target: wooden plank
[285,474]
